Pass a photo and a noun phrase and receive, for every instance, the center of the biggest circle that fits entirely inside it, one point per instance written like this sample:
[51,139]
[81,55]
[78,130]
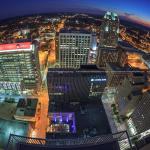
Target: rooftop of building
[146,57]
[48,31]
[13,47]
[8,127]
[7,110]
[27,107]
[116,67]
[135,82]
[75,84]
[75,31]
[136,92]
[138,74]
[88,68]
[89,116]
[108,48]
[23,40]
[129,48]
[111,16]
[148,92]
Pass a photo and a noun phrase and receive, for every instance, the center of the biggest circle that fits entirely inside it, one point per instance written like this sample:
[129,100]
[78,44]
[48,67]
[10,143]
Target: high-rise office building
[74,46]
[19,67]
[109,30]
[108,50]
[76,84]
[93,50]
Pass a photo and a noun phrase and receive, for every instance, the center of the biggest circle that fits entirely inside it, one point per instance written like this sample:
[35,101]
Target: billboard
[14,46]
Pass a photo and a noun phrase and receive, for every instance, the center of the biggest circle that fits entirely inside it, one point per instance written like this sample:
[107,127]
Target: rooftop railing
[121,137]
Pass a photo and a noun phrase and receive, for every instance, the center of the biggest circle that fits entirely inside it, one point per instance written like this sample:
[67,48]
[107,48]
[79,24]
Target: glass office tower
[19,68]
[109,30]
[74,46]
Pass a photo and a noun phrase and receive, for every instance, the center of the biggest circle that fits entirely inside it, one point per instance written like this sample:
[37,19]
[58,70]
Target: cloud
[128,14]
[134,18]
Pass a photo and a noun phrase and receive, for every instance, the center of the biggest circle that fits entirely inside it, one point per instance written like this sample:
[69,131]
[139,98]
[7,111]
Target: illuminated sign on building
[98,79]
[13,46]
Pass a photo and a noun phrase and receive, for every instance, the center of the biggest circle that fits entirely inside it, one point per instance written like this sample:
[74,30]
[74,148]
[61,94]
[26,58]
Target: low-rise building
[26,109]
[130,92]
[146,59]
[116,74]
[141,115]
[108,54]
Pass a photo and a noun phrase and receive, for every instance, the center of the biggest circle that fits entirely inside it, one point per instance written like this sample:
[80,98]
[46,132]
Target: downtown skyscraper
[74,46]
[19,68]
[109,30]
[108,49]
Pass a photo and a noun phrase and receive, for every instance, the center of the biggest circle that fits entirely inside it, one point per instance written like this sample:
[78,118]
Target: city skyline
[129,10]
[74,75]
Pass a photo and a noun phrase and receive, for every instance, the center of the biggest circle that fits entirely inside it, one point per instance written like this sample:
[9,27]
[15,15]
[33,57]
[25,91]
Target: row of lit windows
[74,43]
[15,56]
[73,36]
[73,48]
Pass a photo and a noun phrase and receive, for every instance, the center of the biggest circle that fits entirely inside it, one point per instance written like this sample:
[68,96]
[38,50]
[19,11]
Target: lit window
[106,29]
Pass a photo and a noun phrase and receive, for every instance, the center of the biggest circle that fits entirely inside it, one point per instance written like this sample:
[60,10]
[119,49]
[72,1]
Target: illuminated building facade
[109,30]
[74,46]
[19,68]
[93,50]
[108,49]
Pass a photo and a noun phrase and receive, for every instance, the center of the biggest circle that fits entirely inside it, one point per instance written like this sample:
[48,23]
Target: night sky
[136,10]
